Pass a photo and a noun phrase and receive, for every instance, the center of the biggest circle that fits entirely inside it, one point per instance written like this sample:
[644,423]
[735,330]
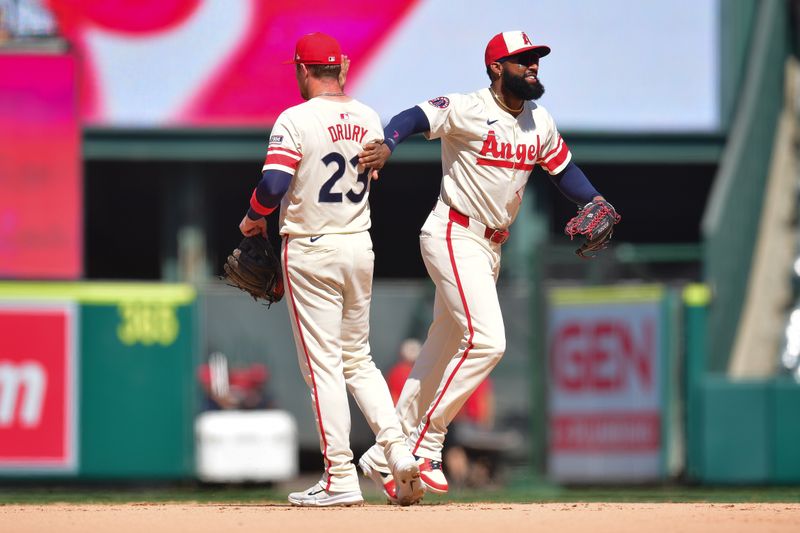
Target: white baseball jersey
[488,154]
[327,270]
[318,143]
[487,157]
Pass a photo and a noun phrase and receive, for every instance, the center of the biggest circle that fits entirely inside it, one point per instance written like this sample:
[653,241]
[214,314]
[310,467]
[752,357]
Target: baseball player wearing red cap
[312,172]
[491,141]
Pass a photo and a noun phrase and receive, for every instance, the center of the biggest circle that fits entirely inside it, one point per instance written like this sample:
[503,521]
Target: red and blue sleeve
[277,173]
[268,194]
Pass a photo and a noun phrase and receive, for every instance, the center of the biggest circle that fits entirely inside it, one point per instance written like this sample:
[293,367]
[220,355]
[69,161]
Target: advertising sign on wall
[605,402]
[38,387]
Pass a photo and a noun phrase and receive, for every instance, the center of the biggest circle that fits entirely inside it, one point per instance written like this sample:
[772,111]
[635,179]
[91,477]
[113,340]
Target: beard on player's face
[520,88]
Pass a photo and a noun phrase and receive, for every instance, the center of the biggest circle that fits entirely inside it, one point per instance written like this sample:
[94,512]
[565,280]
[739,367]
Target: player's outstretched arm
[401,126]
[374,156]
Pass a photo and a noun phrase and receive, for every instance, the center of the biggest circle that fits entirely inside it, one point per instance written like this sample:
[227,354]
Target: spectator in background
[465,464]
[479,407]
[239,388]
[406,355]
[248,385]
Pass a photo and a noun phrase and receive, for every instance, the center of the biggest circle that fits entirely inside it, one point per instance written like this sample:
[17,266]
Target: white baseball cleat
[432,475]
[408,485]
[382,478]
[317,496]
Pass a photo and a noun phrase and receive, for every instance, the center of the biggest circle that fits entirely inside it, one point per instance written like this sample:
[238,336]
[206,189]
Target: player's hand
[250,227]
[374,156]
[343,73]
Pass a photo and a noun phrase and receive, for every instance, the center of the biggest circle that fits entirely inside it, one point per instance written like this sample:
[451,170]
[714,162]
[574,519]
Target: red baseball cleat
[431,474]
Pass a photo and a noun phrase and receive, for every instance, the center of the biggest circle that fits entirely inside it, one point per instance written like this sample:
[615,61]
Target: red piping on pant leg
[469,342]
[308,361]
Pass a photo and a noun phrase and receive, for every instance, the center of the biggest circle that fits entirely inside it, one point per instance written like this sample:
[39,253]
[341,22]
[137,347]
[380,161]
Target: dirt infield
[446,518]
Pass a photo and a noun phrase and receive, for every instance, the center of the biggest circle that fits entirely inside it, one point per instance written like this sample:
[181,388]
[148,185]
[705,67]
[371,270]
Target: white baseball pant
[329,286]
[466,338]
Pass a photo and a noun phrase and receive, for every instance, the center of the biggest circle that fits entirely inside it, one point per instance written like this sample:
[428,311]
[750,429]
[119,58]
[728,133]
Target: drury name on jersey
[347,132]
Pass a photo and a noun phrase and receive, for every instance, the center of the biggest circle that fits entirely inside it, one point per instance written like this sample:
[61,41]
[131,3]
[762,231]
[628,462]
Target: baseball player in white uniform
[491,141]
[312,172]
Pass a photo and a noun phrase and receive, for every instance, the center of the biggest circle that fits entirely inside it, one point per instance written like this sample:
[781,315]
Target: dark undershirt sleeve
[268,194]
[574,184]
[403,124]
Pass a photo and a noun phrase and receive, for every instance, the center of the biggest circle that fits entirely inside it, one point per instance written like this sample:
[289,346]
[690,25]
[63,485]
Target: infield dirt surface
[444,518]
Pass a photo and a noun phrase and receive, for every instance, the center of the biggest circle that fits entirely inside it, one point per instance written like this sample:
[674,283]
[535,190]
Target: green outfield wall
[737,432]
[129,398]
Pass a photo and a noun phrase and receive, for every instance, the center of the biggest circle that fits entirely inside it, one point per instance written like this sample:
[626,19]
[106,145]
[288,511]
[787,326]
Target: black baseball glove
[595,221]
[255,268]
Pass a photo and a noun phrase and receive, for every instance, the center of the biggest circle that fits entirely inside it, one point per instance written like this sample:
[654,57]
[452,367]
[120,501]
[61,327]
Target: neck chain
[504,106]
[331,94]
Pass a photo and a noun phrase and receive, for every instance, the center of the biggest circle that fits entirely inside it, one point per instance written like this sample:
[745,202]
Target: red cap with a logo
[510,43]
[317,49]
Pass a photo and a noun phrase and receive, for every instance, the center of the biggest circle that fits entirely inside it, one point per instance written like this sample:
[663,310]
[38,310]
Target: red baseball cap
[510,43]
[317,49]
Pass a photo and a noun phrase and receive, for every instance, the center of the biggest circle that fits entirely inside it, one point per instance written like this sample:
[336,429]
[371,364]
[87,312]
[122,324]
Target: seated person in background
[465,465]
[248,384]
[242,388]
[479,407]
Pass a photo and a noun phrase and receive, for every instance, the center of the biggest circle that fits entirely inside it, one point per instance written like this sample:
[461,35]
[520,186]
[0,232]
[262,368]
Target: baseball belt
[498,236]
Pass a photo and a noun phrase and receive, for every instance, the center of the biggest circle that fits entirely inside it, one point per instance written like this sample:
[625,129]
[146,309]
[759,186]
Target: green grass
[519,493]
[541,494]
[31,494]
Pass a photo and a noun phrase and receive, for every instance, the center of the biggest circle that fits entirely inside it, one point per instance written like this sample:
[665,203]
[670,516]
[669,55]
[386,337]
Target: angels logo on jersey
[507,156]
[440,102]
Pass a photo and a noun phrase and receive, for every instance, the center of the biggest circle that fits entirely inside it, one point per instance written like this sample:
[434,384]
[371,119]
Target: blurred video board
[617,65]
[40,170]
